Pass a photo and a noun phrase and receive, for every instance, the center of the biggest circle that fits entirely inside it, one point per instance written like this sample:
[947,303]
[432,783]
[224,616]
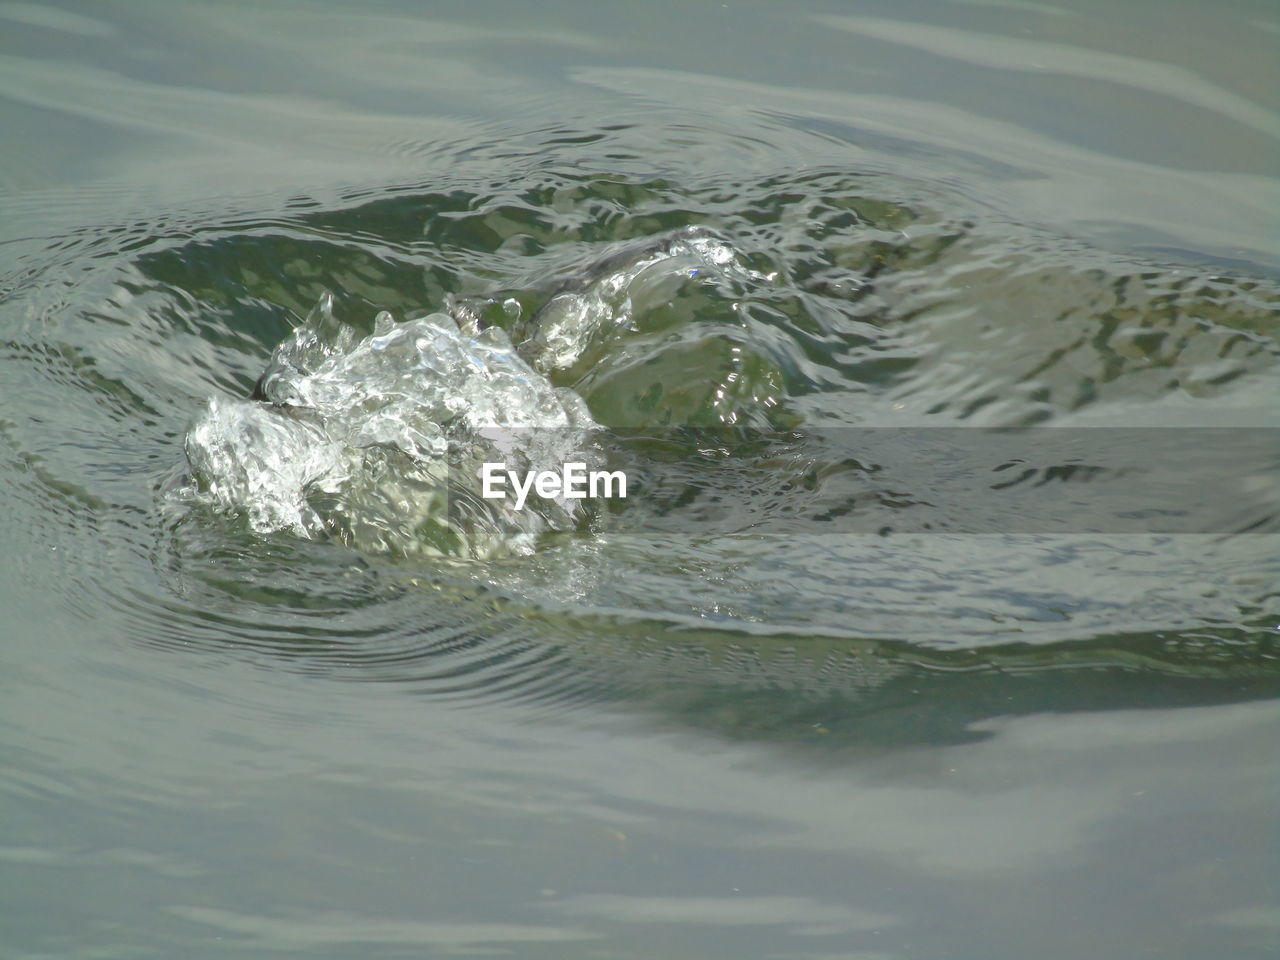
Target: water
[269,700]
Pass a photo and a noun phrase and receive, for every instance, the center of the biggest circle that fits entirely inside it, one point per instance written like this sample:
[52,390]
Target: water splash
[378,441]
[368,440]
[612,297]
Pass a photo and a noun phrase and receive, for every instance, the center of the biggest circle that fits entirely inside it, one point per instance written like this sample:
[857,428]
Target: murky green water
[724,721]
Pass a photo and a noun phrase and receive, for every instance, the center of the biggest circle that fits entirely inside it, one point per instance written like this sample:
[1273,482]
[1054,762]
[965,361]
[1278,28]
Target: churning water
[950,543]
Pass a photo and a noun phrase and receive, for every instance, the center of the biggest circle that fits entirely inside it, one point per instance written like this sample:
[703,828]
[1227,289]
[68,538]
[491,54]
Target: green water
[706,729]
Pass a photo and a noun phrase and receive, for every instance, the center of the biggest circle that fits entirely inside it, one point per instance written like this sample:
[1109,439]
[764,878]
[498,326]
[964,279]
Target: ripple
[894,299]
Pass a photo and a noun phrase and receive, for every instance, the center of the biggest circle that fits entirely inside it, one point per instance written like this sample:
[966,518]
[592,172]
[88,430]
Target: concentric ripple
[844,299]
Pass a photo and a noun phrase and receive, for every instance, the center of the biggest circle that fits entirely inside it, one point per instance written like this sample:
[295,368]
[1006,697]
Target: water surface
[749,732]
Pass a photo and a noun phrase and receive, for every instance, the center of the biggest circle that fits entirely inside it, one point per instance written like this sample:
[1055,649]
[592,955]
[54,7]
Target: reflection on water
[691,727]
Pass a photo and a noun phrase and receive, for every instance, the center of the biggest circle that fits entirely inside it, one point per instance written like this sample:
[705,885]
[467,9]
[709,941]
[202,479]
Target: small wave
[829,296]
